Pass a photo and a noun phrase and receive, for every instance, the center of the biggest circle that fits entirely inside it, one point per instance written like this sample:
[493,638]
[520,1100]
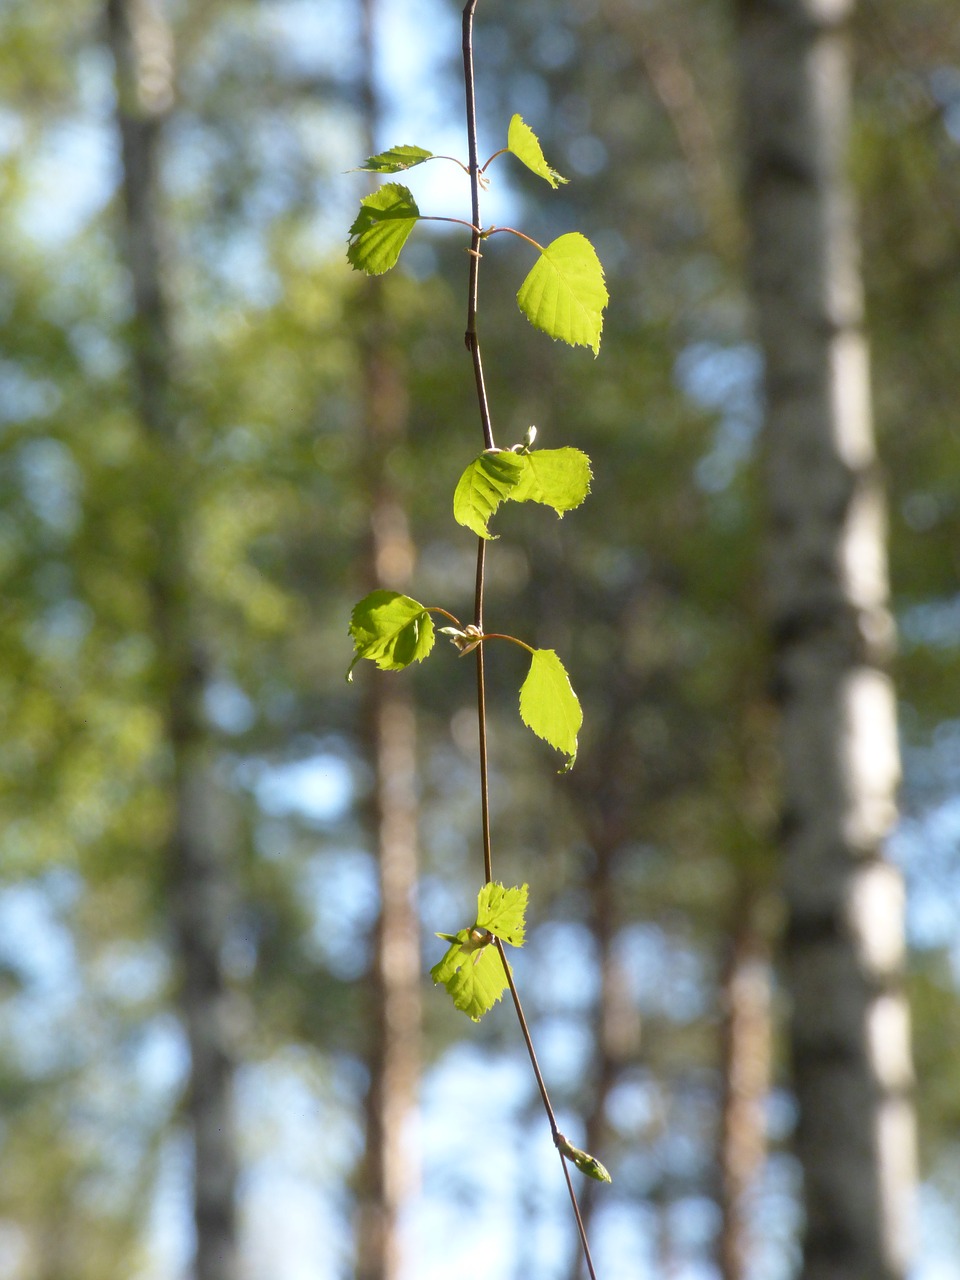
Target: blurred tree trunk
[390,1168]
[199,882]
[649,32]
[745,1077]
[832,635]
[615,1022]
[606,787]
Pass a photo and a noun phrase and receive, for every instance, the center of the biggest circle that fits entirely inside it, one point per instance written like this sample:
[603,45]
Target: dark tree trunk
[199,881]
[832,635]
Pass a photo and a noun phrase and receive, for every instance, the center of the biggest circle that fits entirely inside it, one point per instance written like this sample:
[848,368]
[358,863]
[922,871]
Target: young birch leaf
[394,160]
[525,145]
[564,294]
[502,911]
[391,630]
[381,228]
[558,478]
[548,704]
[471,970]
[475,980]
[487,482]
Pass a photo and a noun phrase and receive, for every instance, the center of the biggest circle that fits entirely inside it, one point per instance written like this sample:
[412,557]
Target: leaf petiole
[496,635]
[502,152]
[492,231]
[435,608]
[453,160]
[460,222]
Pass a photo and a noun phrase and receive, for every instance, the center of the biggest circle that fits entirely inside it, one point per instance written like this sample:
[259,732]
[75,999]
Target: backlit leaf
[391,630]
[395,160]
[381,228]
[472,970]
[502,911]
[559,478]
[548,704]
[564,294]
[525,145]
[475,979]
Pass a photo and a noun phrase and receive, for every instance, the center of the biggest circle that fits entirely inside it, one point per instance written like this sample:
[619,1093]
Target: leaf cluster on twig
[564,295]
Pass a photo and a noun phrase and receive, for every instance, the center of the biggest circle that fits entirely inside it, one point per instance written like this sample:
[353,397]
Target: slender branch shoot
[564,294]
[558,1139]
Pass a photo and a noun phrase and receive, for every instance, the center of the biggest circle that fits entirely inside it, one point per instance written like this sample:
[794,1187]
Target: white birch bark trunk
[199,881]
[832,635]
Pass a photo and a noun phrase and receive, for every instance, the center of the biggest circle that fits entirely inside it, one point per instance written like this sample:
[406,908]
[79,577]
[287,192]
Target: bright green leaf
[548,704]
[502,911]
[559,478]
[564,294]
[391,630]
[472,970]
[395,160]
[476,980]
[525,145]
[486,483]
[381,228]
[585,1162]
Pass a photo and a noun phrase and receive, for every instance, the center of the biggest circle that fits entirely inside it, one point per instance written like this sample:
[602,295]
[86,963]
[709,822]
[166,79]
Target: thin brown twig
[525,1030]
[482,720]
[470,337]
[547,1106]
[473,346]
